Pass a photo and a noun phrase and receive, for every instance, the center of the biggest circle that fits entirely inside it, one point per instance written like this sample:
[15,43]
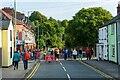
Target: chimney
[9,10]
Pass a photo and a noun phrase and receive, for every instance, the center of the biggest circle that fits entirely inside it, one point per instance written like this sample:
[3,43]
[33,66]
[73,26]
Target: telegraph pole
[15,24]
[38,37]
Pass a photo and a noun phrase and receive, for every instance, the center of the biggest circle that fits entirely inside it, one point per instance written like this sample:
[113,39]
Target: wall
[102,45]
[10,44]
[4,48]
[111,43]
[118,34]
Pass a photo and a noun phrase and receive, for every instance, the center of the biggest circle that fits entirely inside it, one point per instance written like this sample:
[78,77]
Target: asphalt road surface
[67,70]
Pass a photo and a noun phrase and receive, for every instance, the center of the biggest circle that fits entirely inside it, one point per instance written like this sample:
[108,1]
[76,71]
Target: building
[7,39]
[118,31]
[102,46]
[25,35]
[112,40]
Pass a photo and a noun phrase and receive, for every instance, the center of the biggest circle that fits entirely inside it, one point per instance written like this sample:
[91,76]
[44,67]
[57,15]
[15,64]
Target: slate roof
[20,16]
[112,20]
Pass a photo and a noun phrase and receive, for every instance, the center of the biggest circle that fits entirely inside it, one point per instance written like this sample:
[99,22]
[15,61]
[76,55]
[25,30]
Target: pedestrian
[92,53]
[80,53]
[16,58]
[55,53]
[65,53]
[34,55]
[74,54]
[88,53]
[25,58]
[44,53]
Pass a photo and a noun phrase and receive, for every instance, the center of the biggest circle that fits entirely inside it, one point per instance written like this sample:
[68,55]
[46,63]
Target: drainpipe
[117,42]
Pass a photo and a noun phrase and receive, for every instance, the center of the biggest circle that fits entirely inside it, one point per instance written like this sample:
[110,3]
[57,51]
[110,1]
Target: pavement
[10,73]
[107,67]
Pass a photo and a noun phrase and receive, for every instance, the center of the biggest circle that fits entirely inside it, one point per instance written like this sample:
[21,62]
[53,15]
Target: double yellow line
[98,71]
[33,72]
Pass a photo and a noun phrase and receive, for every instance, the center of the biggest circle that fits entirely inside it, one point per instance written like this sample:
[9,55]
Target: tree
[83,28]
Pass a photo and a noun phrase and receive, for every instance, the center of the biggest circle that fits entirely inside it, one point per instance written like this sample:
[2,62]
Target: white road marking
[64,69]
[60,63]
[68,76]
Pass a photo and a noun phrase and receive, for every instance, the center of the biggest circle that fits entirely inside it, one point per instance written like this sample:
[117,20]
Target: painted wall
[112,42]
[4,48]
[6,44]
[10,44]
[0,48]
[0,38]
[102,47]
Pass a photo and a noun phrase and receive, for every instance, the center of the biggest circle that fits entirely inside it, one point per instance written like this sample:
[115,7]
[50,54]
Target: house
[102,46]
[113,32]
[6,39]
[118,31]
[25,34]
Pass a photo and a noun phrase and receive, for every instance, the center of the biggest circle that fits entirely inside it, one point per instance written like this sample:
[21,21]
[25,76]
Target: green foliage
[83,28]
[50,31]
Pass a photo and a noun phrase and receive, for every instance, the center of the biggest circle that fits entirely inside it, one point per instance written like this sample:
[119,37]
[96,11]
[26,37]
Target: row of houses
[20,37]
[108,47]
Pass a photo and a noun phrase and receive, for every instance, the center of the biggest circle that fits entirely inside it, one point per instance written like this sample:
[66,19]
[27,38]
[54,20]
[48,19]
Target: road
[66,69]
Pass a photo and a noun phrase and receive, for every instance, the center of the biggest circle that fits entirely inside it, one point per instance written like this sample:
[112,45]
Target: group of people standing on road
[69,53]
[25,56]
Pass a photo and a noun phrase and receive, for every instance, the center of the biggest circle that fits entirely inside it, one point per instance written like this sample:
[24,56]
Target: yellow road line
[98,71]
[33,72]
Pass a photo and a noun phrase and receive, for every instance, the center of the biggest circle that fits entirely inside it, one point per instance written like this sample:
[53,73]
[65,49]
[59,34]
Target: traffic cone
[57,60]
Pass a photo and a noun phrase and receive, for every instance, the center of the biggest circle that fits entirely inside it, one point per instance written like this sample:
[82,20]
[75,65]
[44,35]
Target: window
[113,50]
[10,52]
[112,29]
[10,35]
[17,32]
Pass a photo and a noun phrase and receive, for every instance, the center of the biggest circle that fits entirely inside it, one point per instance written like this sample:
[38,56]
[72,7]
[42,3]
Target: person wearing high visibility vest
[44,54]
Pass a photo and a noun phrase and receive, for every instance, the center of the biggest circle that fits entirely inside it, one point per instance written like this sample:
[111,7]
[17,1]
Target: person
[80,53]
[88,53]
[92,53]
[25,58]
[16,58]
[74,54]
[44,53]
[65,54]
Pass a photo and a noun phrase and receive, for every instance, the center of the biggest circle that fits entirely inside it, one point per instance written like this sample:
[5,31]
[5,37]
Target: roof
[4,24]
[7,15]
[20,16]
[112,20]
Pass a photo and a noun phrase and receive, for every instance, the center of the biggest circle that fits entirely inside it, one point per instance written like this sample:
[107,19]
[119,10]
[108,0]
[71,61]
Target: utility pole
[15,24]
[38,37]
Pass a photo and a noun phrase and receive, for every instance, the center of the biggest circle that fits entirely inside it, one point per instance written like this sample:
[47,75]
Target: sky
[59,9]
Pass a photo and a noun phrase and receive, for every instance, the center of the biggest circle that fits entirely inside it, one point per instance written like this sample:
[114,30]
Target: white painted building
[102,46]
